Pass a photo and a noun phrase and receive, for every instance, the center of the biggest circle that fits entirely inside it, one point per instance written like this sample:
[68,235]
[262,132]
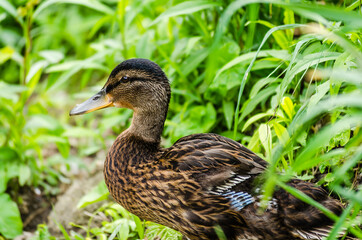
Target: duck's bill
[98,101]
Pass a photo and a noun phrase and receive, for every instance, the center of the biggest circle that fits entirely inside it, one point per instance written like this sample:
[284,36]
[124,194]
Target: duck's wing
[220,165]
[218,182]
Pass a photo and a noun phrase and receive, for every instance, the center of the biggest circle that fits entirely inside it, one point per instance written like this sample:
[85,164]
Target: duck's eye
[125,79]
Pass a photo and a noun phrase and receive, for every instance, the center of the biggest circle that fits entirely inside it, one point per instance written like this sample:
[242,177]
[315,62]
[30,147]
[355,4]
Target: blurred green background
[284,78]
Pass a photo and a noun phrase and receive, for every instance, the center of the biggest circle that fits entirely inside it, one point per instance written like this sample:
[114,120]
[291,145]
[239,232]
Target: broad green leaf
[123,232]
[10,220]
[288,107]
[154,230]
[228,109]
[139,226]
[96,194]
[187,7]
[265,137]
[281,132]
[24,174]
[63,147]
[7,154]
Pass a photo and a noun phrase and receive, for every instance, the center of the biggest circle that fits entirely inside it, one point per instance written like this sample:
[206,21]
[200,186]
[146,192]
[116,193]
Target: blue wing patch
[239,199]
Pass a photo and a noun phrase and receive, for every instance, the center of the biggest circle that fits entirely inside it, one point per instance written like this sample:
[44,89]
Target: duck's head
[138,84]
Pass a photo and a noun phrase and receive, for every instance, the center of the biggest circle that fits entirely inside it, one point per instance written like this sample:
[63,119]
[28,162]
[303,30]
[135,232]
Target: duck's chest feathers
[130,170]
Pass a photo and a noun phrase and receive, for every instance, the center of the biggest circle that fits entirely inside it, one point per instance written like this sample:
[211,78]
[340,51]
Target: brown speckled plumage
[203,180]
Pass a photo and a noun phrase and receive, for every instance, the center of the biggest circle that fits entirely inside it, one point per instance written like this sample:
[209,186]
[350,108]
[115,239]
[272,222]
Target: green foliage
[98,193]
[10,221]
[281,77]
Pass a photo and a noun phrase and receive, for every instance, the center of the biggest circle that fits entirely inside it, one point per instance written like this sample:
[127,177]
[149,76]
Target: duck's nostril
[95,98]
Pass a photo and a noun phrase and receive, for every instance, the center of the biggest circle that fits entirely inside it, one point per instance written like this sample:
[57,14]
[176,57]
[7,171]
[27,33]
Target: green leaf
[123,232]
[306,158]
[288,107]
[92,4]
[247,57]
[193,61]
[24,174]
[228,109]
[261,83]
[251,104]
[265,137]
[157,231]
[10,220]
[321,91]
[33,76]
[303,64]
[289,19]
[6,53]
[281,132]
[7,154]
[279,36]
[52,56]
[97,194]
[187,7]
[255,118]
[139,226]
[144,49]
[316,12]
[10,91]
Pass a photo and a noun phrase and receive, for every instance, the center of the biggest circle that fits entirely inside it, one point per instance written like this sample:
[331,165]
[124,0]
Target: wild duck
[201,182]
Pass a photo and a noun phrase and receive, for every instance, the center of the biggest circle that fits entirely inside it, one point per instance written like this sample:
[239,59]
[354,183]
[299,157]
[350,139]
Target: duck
[202,183]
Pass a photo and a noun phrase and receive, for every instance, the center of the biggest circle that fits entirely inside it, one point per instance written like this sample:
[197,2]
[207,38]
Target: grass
[281,77]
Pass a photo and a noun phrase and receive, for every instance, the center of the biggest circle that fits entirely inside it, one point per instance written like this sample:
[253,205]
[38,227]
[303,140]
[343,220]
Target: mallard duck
[203,181]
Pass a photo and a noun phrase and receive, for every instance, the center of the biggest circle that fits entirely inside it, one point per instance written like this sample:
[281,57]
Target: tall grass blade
[246,75]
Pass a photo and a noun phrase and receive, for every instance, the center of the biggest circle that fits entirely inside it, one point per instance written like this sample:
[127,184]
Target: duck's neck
[147,124]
